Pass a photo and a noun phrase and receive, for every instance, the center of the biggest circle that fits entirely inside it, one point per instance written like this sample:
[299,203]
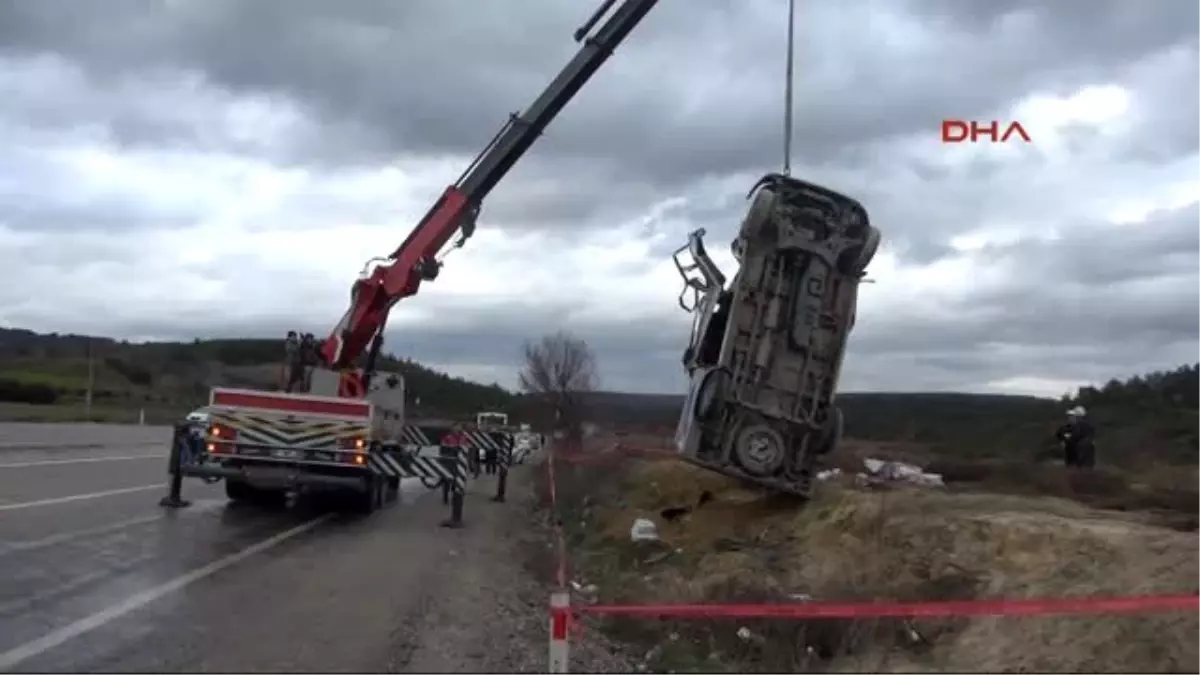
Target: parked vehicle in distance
[199,416]
[766,350]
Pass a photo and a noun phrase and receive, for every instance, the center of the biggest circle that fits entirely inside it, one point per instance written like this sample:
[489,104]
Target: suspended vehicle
[767,347]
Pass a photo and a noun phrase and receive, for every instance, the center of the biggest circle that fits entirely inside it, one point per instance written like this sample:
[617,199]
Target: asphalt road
[96,577]
[74,435]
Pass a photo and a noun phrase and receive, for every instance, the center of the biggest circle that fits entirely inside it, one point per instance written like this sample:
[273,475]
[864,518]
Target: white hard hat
[1077,411]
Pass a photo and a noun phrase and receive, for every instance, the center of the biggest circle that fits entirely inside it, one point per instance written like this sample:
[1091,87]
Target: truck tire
[365,502]
[237,491]
[275,498]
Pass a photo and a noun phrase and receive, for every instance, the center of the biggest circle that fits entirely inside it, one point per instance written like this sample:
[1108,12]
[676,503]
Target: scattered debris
[659,557]
[879,470]
[643,529]
[829,474]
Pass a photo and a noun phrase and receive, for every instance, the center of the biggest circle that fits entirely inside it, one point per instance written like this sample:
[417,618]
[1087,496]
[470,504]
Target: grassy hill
[1150,418]
[1145,419]
[46,376]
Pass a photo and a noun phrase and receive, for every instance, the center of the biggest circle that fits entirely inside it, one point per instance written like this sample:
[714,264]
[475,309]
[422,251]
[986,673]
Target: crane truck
[346,433]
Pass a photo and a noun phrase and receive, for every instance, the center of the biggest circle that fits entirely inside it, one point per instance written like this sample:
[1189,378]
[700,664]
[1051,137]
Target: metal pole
[505,459]
[787,104]
[91,382]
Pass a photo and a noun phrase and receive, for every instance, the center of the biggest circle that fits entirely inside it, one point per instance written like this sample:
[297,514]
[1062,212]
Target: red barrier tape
[867,610]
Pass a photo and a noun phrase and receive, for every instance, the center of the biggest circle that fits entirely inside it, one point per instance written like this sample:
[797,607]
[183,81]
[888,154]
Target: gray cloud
[426,77]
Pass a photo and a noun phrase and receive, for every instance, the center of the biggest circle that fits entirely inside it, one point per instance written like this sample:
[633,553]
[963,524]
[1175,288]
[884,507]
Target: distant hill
[921,417]
[174,376]
[1143,419]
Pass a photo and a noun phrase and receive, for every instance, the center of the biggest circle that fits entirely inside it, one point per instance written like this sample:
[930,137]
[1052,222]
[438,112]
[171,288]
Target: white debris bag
[901,472]
[643,529]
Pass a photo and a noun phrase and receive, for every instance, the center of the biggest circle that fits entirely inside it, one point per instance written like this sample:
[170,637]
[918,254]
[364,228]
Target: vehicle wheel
[762,207]
[381,493]
[831,435]
[759,449]
[238,491]
[854,260]
[709,395]
[393,489]
[364,503]
[269,499]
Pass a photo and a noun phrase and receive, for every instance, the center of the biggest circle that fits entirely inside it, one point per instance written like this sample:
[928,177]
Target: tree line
[1178,388]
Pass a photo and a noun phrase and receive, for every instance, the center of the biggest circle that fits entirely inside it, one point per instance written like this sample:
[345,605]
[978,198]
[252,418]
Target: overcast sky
[200,168]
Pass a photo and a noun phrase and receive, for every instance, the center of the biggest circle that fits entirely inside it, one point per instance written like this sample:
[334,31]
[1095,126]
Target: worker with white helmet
[1078,439]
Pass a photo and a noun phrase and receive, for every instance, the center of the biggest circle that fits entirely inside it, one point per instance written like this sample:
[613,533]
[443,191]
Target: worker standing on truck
[308,359]
[1078,439]
[292,361]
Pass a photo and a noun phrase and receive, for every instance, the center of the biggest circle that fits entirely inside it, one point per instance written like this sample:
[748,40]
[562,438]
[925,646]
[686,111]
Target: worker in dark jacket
[292,362]
[1078,439]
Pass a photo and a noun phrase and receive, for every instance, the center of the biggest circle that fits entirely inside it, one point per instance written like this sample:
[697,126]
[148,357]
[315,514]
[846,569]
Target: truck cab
[766,348]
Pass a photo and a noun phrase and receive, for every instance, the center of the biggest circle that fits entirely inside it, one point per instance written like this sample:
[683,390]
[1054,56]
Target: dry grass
[899,544]
[103,413]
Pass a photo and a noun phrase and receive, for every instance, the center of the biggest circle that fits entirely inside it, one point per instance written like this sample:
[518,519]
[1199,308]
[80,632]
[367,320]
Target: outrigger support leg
[174,498]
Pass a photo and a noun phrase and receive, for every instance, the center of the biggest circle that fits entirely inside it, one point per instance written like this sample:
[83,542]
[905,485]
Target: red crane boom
[400,274]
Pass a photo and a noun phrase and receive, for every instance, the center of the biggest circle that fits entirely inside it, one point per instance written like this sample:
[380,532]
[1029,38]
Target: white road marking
[75,534]
[76,498]
[84,460]
[16,655]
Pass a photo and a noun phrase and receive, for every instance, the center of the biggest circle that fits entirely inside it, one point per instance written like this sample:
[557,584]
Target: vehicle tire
[707,405]
[393,489]
[759,449]
[762,208]
[364,503]
[831,435]
[237,491]
[381,493]
[854,260]
[269,498]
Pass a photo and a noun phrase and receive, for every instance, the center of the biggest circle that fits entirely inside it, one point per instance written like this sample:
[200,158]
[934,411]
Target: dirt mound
[904,544]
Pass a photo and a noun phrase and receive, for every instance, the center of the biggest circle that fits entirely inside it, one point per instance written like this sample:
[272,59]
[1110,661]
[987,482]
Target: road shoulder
[488,612]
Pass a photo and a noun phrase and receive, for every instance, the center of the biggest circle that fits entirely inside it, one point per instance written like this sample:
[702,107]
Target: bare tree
[558,369]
